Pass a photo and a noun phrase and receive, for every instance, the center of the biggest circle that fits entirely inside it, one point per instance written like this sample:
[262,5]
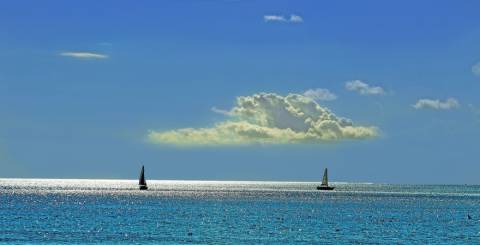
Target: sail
[325,177]
[141,180]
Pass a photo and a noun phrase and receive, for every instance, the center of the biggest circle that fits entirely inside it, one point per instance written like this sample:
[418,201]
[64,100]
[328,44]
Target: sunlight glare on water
[243,212]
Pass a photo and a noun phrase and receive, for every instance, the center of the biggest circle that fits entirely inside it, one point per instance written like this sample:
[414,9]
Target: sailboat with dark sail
[142,184]
[324,186]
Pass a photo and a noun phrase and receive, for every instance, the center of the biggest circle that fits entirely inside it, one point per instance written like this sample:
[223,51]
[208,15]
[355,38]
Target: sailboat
[324,186]
[142,184]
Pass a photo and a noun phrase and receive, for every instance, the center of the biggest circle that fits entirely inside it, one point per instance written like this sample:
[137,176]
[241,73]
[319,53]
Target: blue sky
[66,112]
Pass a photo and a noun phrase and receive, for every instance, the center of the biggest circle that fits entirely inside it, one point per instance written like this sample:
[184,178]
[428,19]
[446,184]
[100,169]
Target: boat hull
[143,187]
[325,188]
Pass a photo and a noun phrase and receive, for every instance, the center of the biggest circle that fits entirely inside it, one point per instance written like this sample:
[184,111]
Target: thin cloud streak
[84,55]
[450,103]
[273,18]
[221,111]
[280,18]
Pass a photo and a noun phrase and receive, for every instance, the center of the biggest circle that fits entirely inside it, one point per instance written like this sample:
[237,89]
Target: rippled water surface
[219,212]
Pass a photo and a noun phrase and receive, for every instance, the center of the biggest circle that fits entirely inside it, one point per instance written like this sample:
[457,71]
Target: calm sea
[230,212]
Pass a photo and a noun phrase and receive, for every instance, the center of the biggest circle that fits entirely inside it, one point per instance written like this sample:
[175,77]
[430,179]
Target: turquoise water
[218,212]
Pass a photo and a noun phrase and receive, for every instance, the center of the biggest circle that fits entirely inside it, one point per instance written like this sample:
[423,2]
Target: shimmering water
[219,212]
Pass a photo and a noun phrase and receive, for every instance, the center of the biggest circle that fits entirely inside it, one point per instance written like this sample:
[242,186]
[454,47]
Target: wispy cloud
[273,18]
[280,18]
[363,88]
[221,111]
[84,55]
[268,118]
[475,111]
[450,103]
[104,44]
[296,18]
[320,94]
[476,69]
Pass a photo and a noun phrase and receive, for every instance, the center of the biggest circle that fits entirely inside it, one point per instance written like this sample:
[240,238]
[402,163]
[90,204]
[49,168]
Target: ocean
[56,211]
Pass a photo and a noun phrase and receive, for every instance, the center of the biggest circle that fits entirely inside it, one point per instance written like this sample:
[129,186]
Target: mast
[325,178]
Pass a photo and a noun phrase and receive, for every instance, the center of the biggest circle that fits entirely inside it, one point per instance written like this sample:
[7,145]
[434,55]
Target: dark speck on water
[39,211]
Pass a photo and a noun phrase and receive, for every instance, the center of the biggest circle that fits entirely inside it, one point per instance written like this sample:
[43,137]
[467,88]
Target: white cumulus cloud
[476,69]
[450,103]
[320,94]
[280,18]
[363,88]
[268,118]
[84,55]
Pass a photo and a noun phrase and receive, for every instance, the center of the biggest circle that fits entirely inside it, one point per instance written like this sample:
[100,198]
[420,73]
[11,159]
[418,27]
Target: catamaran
[142,184]
[324,186]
